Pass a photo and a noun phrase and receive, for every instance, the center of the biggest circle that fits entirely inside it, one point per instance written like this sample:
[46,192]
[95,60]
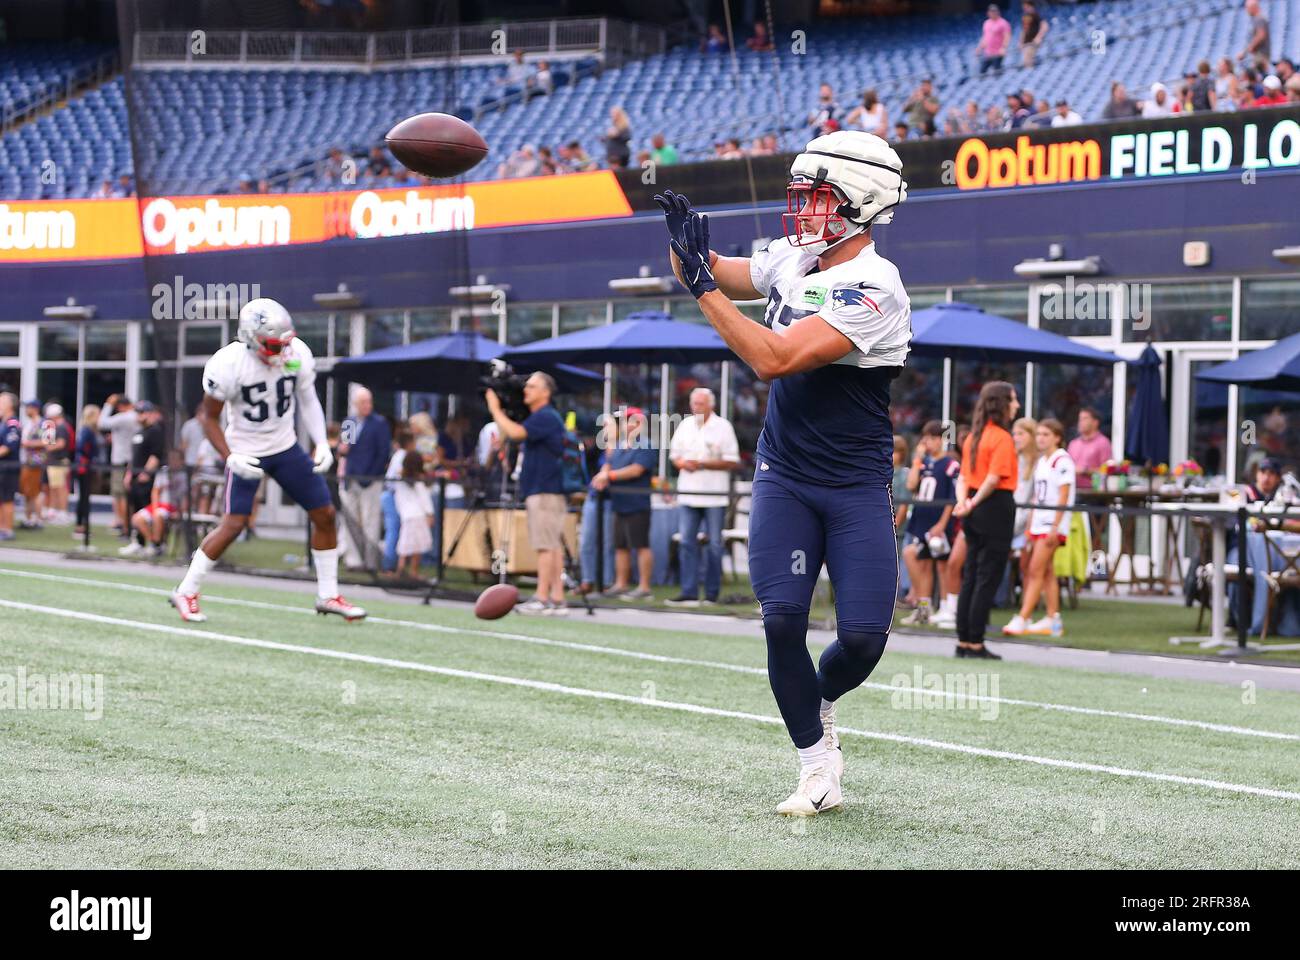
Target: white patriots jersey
[261,400]
[1052,475]
[863,299]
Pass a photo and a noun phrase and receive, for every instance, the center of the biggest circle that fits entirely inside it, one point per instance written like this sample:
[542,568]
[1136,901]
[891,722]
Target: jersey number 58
[256,410]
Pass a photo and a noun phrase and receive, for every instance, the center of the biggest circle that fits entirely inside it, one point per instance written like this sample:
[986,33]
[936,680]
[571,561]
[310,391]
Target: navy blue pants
[293,470]
[795,527]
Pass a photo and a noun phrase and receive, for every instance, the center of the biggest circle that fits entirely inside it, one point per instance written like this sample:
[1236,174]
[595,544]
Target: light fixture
[70,311]
[340,299]
[480,289]
[1088,266]
[1288,254]
[643,283]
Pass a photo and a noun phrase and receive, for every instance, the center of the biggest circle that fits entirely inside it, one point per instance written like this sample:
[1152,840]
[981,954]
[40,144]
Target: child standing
[414,504]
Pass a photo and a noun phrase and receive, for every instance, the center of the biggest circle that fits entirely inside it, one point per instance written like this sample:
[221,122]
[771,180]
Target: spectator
[630,464]
[662,153]
[426,439]
[1259,46]
[617,139]
[548,166]
[166,502]
[57,433]
[761,40]
[764,146]
[898,488]
[541,487]
[517,73]
[825,117]
[921,108]
[1293,88]
[87,455]
[971,122]
[931,529]
[414,503]
[994,119]
[119,418]
[148,453]
[522,163]
[1203,95]
[11,444]
[1017,113]
[339,168]
[870,116]
[705,451]
[987,507]
[32,474]
[576,158]
[125,188]
[1273,95]
[732,150]
[1160,104]
[1064,116]
[1268,480]
[994,40]
[1090,449]
[363,454]
[1121,106]
[104,191]
[378,166]
[543,81]
[1033,31]
[192,436]
[1284,70]
[1225,86]
[589,549]
[901,132]
[1042,115]
[715,41]
[403,443]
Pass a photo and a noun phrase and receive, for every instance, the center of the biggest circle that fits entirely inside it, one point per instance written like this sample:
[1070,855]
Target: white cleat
[818,791]
[832,741]
[188,607]
[341,607]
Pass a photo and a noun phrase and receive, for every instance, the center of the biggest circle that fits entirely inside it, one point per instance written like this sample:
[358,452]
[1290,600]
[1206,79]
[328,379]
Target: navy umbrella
[649,336]
[965,332]
[1273,368]
[452,363]
[1147,437]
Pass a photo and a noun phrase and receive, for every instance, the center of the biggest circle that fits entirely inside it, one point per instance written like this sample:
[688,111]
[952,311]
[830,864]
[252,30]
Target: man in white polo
[705,452]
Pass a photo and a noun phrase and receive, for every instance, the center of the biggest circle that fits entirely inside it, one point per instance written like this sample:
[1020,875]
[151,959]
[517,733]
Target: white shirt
[261,400]
[486,436]
[1052,475]
[715,440]
[414,501]
[121,427]
[191,439]
[1071,119]
[862,298]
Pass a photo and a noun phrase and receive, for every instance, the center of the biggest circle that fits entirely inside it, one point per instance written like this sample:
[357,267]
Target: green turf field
[269,737]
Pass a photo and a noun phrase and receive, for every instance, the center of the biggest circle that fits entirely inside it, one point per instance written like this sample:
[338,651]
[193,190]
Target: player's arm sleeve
[218,379]
[865,312]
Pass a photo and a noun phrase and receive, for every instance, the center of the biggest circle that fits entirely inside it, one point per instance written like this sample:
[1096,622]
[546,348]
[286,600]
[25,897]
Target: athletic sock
[327,572]
[828,707]
[200,564]
[950,603]
[812,757]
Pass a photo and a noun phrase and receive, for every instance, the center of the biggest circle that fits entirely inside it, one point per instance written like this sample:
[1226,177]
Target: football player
[835,335]
[261,381]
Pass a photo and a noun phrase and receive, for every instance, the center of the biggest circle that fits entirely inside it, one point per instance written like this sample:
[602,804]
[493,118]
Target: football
[496,601]
[436,144]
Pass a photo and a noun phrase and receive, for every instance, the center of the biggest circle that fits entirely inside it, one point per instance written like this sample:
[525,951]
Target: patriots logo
[854,299]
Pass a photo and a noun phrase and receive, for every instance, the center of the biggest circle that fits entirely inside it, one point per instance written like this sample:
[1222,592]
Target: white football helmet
[840,185]
[266,328]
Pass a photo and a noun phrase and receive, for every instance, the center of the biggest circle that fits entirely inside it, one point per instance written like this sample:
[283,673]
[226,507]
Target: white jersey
[1052,475]
[862,298]
[261,400]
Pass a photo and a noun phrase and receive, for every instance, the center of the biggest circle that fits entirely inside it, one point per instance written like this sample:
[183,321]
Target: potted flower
[1187,472]
[1116,473]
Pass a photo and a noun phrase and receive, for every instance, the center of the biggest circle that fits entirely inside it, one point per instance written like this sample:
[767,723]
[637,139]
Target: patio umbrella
[649,336]
[452,363]
[965,332]
[1147,437]
[1273,368]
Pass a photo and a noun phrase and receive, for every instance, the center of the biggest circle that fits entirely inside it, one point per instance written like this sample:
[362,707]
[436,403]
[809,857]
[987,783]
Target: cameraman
[541,486]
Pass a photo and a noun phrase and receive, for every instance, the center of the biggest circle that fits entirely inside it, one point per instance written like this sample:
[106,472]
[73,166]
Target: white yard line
[641,701]
[685,661]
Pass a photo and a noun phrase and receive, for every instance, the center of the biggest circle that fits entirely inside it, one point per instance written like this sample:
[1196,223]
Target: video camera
[509,388]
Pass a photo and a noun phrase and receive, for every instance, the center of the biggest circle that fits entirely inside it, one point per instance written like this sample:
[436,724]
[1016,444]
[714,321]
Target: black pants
[988,529]
[83,498]
[138,497]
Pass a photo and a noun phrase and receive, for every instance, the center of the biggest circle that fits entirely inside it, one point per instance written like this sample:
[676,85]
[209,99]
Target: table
[1171,571]
[1219,516]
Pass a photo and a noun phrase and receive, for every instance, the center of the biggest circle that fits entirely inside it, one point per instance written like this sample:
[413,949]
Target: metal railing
[83,77]
[614,40]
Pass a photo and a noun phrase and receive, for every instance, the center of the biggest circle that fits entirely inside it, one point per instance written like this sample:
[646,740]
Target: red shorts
[164,510]
[1060,537]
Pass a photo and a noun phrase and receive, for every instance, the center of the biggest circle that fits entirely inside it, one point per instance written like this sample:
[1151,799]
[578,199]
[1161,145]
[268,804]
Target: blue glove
[677,214]
[693,253]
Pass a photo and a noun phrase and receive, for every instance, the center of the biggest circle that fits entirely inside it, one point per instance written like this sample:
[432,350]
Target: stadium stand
[207,131]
